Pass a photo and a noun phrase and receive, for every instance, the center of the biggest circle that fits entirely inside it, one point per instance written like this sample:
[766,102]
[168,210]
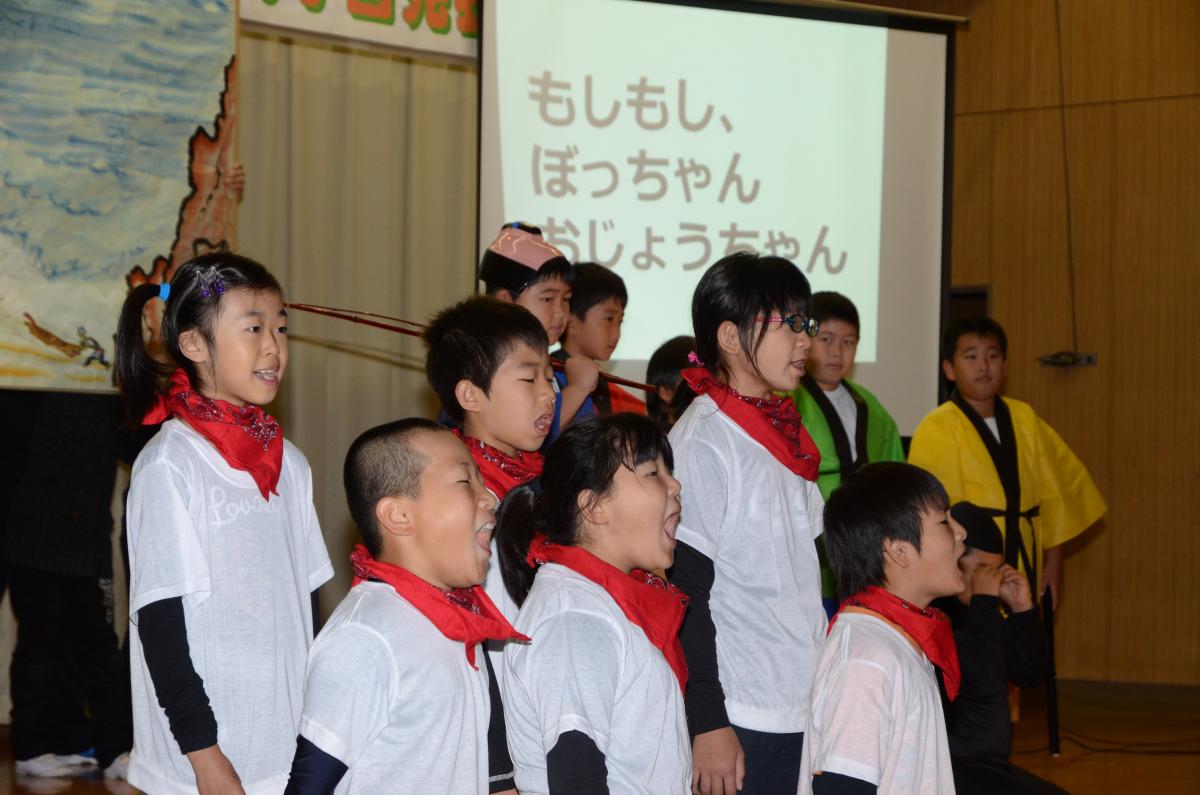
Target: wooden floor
[1155,728]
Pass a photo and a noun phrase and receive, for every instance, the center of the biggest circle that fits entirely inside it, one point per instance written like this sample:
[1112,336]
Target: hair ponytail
[138,374]
[193,300]
[517,523]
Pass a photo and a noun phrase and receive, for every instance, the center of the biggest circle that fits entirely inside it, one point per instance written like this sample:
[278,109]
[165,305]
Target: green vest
[877,440]
[881,436]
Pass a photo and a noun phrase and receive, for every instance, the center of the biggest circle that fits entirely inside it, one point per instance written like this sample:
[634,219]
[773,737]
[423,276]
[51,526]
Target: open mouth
[483,537]
[267,376]
[670,526]
[542,424]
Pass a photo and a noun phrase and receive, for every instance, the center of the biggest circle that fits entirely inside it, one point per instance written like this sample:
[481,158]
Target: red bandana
[645,598]
[502,472]
[772,422]
[930,628]
[247,437]
[462,614]
[625,401]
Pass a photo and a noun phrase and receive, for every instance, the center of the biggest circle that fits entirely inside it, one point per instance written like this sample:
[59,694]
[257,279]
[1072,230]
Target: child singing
[595,703]
[225,551]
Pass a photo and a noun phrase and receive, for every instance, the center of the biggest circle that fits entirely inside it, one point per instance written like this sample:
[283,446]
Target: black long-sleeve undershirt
[837,784]
[179,689]
[500,766]
[704,700]
[314,772]
[576,766]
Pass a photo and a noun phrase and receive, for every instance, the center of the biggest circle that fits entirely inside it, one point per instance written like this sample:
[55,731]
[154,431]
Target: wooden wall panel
[1005,56]
[1130,49]
[972,202]
[1156,258]
[1087,421]
[1132,76]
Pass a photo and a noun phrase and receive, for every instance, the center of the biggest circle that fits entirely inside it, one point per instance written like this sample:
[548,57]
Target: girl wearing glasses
[746,555]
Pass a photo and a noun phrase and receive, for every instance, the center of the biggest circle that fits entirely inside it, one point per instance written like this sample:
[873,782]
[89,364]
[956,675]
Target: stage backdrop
[118,120]
[435,26]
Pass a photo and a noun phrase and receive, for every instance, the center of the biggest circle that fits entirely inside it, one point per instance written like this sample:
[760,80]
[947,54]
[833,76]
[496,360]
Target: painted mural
[118,121]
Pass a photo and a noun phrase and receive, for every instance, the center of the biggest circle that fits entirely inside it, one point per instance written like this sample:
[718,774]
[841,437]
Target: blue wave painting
[98,101]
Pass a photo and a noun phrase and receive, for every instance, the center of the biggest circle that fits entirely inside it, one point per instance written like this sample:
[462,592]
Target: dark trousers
[998,777]
[772,761]
[69,681]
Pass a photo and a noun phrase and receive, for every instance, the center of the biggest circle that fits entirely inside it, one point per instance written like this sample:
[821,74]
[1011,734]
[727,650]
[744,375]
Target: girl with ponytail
[601,686]
[225,551]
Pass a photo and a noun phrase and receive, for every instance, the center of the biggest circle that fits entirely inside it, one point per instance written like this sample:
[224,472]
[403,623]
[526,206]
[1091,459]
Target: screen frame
[852,16]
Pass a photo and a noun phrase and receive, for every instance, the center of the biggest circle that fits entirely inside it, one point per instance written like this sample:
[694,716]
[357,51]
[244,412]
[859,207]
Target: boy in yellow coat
[997,453]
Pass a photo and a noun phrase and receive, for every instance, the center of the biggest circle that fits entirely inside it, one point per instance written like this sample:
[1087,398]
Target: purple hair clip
[210,282]
[694,358]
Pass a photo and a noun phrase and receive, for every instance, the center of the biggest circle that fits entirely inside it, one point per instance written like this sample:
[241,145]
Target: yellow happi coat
[1057,500]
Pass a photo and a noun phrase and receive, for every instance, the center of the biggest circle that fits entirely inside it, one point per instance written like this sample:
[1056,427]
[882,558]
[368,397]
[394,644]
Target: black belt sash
[1004,458]
[847,464]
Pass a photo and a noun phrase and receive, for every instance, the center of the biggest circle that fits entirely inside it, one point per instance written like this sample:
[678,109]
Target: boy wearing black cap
[520,267]
[992,652]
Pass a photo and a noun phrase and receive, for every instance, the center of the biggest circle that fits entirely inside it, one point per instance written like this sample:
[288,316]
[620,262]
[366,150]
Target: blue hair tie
[164,290]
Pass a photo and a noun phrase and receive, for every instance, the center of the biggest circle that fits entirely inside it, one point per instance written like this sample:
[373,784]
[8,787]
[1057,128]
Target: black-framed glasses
[797,323]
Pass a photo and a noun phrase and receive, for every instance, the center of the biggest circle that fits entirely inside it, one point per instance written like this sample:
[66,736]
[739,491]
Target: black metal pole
[1052,679]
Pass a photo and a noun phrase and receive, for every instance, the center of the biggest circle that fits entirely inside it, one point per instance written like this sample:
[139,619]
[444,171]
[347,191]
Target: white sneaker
[44,766]
[76,760]
[119,769]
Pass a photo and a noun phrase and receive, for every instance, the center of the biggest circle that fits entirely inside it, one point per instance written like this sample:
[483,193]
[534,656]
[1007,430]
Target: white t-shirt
[847,411]
[757,521]
[246,568]
[876,712]
[493,586]
[993,426]
[589,669]
[395,700]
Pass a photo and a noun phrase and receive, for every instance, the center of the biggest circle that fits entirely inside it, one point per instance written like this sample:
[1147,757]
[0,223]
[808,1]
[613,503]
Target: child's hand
[583,373]
[214,773]
[1014,590]
[718,764]
[986,580]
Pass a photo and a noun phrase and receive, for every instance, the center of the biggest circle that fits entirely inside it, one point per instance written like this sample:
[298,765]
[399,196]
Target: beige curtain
[360,193]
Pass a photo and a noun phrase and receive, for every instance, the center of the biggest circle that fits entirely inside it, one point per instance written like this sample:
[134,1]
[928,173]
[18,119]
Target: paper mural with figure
[118,121]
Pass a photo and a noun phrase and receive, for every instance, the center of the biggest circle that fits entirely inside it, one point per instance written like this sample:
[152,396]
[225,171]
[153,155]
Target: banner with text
[448,27]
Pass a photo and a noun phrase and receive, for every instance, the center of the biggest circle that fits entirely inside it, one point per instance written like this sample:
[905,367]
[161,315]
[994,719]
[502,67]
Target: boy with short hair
[487,362]
[848,423]
[875,719]
[998,454]
[598,301]
[994,649]
[520,267]
[399,696]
